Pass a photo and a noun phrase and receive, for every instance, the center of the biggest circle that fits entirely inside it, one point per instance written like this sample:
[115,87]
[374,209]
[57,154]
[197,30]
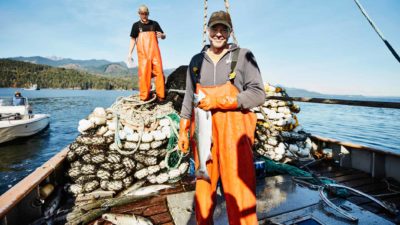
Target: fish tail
[202,174]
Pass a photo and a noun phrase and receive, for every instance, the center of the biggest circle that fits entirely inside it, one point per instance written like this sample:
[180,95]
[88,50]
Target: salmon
[203,136]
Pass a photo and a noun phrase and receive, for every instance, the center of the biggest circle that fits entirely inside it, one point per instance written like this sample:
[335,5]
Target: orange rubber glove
[183,141]
[224,102]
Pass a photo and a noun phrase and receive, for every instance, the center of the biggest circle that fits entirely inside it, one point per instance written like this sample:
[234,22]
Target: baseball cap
[220,17]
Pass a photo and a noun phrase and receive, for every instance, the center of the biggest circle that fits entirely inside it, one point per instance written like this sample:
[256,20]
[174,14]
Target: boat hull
[12,129]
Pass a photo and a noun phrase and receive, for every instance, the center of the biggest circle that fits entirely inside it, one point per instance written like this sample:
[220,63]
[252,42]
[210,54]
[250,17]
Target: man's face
[219,35]
[144,16]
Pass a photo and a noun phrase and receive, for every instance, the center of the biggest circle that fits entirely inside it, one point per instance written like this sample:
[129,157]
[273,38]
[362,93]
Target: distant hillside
[297,92]
[94,66]
[23,74]
[58,62]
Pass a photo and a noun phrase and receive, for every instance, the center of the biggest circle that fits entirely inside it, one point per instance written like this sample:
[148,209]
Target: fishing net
[272,167]
[131,140]
[174,156]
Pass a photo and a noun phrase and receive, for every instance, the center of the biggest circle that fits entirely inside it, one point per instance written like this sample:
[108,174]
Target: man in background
[144,35]
[18,99]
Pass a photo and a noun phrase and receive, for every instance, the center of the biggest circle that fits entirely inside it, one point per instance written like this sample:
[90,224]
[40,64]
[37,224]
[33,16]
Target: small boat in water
[18,121]
[34,87]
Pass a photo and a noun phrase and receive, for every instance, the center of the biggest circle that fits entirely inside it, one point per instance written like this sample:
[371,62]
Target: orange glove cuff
[183,142]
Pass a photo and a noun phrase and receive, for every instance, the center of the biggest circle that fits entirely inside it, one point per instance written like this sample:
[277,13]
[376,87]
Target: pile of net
[278,134]
[128,142]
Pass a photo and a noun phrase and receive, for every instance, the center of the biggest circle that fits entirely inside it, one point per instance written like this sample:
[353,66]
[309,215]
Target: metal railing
[378,104]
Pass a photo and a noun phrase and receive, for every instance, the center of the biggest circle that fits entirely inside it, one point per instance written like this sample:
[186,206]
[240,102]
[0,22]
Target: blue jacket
[18,101]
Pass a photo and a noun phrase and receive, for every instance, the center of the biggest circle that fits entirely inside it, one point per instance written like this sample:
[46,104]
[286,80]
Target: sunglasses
[223,31]
[143,13]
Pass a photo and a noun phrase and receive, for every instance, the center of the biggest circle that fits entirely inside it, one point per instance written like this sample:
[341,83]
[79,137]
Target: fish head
[109,217]
[198,97]
[143,221]
[195,100]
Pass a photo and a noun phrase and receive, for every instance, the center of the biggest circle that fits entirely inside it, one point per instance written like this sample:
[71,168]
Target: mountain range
[120,69]
[94,66]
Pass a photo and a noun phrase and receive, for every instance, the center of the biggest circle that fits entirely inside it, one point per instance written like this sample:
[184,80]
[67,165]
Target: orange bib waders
[149,64]
[232,161]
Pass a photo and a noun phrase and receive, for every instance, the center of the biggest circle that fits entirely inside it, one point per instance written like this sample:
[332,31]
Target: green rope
[272,167]
[174,156]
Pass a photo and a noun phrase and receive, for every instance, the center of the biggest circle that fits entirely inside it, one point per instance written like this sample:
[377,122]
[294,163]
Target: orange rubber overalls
[150,64]
[232,161]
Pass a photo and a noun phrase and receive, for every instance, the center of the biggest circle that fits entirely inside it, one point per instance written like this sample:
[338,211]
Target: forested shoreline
[19,74]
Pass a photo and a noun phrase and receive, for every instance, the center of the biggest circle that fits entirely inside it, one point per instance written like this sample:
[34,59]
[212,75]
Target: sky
[318,45]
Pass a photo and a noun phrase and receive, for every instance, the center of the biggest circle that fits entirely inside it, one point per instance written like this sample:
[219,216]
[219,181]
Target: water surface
[374,127]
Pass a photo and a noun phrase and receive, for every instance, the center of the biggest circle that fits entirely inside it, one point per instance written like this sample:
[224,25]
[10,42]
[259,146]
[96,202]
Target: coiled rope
[135,112]
[232,31]
[205,23]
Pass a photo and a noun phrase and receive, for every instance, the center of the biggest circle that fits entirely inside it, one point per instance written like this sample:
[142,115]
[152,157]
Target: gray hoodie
[248,78]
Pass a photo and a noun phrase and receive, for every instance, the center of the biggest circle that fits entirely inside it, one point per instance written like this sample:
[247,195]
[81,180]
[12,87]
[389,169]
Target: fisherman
[232,83]
[144,35]
[18,99]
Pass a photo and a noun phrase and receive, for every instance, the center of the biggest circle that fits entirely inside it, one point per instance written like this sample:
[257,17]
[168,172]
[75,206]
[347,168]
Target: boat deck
[363,182]
[277,195]
[155,208]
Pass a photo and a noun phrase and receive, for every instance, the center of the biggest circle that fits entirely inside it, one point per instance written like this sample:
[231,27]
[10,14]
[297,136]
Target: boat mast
[391,49]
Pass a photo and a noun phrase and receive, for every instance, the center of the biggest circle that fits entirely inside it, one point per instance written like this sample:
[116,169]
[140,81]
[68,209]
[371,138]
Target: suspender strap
[195,74]
[195,69]
[235,56]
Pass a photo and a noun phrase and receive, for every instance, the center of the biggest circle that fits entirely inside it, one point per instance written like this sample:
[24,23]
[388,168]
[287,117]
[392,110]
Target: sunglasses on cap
[144,13]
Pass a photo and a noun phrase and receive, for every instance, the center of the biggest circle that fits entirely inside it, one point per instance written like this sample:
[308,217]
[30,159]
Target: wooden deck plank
[359,182]
[156,209]
[363,182]
[395,199]
[358,200]
[373,188]
[161,218]
[332,171]
[351,177]
[372,207]
[139,206]
[338,173]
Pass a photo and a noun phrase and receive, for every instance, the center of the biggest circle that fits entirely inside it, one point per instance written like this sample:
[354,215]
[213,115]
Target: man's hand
[222,102]
[160,35]
[183,140]
[207,103]
[129,59]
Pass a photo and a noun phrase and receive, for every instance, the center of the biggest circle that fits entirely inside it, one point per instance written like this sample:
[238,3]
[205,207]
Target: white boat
[17,121]
[34,87]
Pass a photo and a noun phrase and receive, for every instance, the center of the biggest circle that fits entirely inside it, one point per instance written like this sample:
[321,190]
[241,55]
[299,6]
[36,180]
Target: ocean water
[374,127]
[66,107]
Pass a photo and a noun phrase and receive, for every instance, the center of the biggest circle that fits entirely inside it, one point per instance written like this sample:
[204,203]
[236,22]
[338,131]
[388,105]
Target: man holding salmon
[225,80]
